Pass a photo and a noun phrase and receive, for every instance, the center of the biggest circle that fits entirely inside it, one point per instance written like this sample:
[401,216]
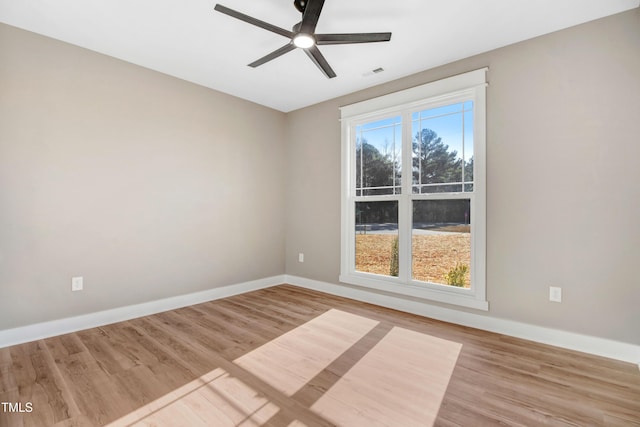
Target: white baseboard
[52,328]
[588,344]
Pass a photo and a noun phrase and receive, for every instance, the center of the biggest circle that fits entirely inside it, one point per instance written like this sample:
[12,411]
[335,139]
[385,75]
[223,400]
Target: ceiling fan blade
[322,39]
[253,21]
[314,53]
[273,55]
[311,15]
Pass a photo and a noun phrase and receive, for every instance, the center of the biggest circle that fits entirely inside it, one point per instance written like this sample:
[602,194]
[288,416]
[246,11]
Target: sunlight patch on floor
[291,360]
[400,382]
[216,399]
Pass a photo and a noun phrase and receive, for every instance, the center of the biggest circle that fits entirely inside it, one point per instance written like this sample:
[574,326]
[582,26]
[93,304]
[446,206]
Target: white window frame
[469,86]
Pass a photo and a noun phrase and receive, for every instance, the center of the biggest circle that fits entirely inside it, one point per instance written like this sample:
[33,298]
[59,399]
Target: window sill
[454,296]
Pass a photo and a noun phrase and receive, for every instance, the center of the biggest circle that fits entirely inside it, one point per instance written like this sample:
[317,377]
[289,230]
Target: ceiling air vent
[372,72]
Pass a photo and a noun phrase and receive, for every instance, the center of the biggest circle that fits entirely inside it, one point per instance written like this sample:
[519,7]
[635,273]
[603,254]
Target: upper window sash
[406,124]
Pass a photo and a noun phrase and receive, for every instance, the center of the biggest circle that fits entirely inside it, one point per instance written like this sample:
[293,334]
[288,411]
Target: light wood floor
[287,356]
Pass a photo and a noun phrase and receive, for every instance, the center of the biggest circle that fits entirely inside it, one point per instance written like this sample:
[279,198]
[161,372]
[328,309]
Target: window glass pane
[468,146]
[440,148]
[439,111]
[378,157]
[439,188]
[376,239]
[441,242]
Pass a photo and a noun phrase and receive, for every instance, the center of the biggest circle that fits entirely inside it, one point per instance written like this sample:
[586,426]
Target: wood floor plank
[40,384]
[184,360]
[235,340]
[251,333]
[10,419]
[259,317]
[160,361]
[97,396]
[228,362]
[7,376]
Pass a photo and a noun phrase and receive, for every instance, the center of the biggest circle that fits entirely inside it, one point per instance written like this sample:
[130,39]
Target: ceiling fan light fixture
[303,41]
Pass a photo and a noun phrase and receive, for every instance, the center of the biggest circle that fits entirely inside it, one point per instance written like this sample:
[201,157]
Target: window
[413,192]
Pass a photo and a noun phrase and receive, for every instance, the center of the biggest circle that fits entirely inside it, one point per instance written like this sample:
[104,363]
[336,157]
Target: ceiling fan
[303,34]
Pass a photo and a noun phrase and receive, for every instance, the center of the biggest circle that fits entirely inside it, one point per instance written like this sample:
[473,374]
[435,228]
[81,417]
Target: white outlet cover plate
[77,283]
[555,294]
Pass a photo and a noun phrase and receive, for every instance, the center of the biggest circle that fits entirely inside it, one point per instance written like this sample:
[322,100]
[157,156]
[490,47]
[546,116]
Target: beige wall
[563,203]
[145,185]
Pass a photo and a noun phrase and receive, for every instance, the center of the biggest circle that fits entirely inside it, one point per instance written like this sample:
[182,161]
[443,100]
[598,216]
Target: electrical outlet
[77,284]
[555,294]
[300,257]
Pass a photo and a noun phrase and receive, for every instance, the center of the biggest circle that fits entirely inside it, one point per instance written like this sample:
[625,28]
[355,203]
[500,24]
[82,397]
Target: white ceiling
[189,40]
